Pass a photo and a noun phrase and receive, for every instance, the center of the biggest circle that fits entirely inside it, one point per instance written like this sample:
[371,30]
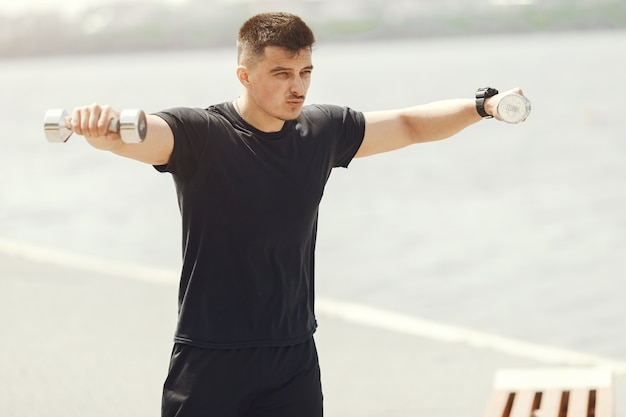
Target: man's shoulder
[328,109]
[331,113]
[317,113]
[220,109]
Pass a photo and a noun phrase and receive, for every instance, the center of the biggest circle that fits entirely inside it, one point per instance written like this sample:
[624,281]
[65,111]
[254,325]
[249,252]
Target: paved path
[78,343]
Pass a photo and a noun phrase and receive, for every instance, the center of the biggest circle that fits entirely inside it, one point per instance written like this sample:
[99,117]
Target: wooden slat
[497,403]
[565,392]
[550,403]
[578,403]
[522,406]
[604,402]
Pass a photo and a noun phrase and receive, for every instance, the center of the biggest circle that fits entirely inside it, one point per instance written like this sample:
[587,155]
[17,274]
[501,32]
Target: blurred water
[516,230]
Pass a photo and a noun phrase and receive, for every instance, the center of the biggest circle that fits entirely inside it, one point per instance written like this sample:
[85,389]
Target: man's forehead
[275,56]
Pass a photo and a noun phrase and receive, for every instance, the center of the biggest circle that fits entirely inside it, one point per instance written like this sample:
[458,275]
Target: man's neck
[258,119]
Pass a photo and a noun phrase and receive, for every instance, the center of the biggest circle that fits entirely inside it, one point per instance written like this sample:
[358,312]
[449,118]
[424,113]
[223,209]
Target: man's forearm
[441,119]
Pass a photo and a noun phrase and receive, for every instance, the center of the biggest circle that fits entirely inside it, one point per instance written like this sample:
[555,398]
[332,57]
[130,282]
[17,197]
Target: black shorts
[250,382]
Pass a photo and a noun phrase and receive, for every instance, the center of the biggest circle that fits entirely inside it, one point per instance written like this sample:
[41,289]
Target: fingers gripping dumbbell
[132,126]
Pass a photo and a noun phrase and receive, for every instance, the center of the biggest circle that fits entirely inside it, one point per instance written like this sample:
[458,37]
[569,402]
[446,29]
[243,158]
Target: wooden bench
[550,392]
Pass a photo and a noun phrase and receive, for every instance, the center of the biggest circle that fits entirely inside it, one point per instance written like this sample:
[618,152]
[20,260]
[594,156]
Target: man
[250,175]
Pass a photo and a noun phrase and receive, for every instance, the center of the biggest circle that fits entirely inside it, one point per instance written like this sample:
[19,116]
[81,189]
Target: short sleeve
[350,137]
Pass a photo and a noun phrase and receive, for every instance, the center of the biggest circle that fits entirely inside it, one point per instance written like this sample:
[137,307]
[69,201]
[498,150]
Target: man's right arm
[92,122]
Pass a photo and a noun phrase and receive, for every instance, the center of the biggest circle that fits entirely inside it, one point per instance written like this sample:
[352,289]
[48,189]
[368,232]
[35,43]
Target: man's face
[278,85]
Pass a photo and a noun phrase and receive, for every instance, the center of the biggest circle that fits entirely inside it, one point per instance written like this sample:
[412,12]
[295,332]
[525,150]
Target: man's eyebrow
[281,69]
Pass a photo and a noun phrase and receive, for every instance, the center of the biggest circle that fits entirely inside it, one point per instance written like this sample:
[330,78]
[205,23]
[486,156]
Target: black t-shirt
[249,203]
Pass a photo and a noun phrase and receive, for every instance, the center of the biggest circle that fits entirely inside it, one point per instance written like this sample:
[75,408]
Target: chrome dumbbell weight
[513,108]
[132,125]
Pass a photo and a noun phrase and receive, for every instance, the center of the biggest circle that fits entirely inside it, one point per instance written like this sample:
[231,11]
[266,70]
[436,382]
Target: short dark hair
[282,30]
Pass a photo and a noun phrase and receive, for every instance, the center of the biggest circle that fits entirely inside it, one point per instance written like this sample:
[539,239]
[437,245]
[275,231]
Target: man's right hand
[93,121]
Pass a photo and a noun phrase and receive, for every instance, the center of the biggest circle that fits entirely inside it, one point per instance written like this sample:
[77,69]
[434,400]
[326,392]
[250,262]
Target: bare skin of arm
[384,130]
[92,122]
[394,129]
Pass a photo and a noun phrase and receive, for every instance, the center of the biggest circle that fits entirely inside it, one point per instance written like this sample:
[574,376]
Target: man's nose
[299,86]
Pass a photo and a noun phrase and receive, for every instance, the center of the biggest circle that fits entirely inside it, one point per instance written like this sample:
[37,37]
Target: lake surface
[516,230]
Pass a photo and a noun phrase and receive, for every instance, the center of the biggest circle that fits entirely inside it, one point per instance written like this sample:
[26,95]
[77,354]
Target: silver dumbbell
[132,125]
[513,108]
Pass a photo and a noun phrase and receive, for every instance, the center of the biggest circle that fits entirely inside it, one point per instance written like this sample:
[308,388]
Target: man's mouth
[295,101]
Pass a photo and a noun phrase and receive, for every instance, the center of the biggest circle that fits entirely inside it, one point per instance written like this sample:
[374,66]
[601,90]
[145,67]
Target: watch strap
[481,95]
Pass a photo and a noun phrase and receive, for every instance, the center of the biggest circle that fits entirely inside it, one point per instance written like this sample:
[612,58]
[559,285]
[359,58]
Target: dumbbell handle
[131,125]
[114,126]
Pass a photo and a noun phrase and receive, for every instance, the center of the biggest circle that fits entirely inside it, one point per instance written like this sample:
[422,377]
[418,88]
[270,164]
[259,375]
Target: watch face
[486,92]
[491,92]
[513,108]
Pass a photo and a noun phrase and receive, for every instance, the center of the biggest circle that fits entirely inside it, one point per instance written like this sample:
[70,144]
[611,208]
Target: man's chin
[293,115]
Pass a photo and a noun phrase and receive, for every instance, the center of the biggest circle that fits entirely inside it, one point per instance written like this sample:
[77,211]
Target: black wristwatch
[481,95]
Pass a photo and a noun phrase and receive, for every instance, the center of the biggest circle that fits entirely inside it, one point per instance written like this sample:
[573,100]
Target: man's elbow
[410,132]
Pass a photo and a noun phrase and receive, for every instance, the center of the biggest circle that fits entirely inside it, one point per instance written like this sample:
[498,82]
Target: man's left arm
[394,129]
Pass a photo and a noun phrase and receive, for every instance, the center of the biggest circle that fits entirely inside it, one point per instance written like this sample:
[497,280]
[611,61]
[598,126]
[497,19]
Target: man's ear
[243,75]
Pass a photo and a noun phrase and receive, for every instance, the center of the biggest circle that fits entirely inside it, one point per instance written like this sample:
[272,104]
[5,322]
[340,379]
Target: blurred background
[510,230]
[83,26]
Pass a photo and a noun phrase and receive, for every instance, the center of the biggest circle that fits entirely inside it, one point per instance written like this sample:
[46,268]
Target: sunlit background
[75,26]
[511,230]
